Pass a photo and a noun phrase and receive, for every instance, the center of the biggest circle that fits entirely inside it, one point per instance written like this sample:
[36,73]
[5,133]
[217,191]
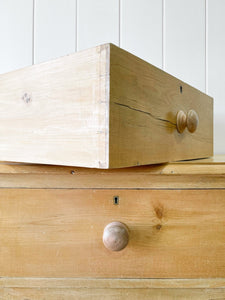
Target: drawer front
[154,117]
[58,233]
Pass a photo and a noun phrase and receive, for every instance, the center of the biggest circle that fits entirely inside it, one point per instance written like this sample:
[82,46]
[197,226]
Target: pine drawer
[58,233]
[102,108]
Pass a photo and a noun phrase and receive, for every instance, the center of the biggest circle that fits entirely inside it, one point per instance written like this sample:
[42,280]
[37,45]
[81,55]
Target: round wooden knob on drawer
[181,121]
[115,236]
[192,120]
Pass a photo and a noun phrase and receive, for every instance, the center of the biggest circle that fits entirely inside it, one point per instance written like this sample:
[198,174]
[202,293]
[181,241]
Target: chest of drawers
[169,219]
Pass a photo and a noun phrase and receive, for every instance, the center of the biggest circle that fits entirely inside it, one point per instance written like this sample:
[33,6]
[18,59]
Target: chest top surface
[204,173]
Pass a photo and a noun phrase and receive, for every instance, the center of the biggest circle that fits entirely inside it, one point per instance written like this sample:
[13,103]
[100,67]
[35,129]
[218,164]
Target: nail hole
[116,200]
[181,89]
[72,172]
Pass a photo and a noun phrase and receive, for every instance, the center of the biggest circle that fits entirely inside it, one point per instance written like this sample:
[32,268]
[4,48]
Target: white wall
[184,37]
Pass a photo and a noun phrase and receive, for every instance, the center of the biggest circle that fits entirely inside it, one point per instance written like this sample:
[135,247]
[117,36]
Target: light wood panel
[193,174]
[216,67]
[113,181]
[97,23]
[144,102]
[54,29]
[173,234]
[56,112]
[141,29]
[90,283]
[185,40]
[16,34]
[208,166]
[109,294]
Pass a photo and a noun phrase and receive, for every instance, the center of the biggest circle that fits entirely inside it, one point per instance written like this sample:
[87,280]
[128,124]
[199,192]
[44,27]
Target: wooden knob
[115,236]
[192,120]
[181,121]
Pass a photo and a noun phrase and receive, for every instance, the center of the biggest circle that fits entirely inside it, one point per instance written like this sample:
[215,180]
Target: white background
[183,37]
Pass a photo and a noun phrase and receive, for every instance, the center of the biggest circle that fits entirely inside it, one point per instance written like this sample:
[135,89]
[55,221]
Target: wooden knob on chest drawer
[115,236]
[192,120]
[181,121]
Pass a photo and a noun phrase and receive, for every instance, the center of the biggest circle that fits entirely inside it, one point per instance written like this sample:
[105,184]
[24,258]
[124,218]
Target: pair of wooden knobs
[189,120]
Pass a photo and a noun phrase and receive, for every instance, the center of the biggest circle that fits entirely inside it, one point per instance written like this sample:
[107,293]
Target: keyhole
[116,200]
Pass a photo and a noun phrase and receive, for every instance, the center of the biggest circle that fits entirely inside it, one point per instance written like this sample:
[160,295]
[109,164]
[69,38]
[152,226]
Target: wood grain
[115,236]
[100,108]
[109,294]
[144,102]
[58,233]
[208,166]
[113,181]
[56,112]
[72,288]
[195,174]
[89,283]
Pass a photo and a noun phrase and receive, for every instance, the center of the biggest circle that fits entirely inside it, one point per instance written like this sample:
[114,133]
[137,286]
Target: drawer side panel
[56,112]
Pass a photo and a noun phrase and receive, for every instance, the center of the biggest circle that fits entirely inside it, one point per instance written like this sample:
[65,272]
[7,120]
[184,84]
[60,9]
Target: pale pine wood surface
[173,234]
[193,174]
[207,166]
[51,232]
[113,181]
[144,102]
[79,283]
[55,112]
[102,108]
[83,288]
[112,294]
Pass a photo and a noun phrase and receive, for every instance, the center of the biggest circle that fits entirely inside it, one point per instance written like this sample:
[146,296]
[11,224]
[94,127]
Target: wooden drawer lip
[172,233]
[117,180]
[74,293]
[90,283]
[211,166]
[195,174]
